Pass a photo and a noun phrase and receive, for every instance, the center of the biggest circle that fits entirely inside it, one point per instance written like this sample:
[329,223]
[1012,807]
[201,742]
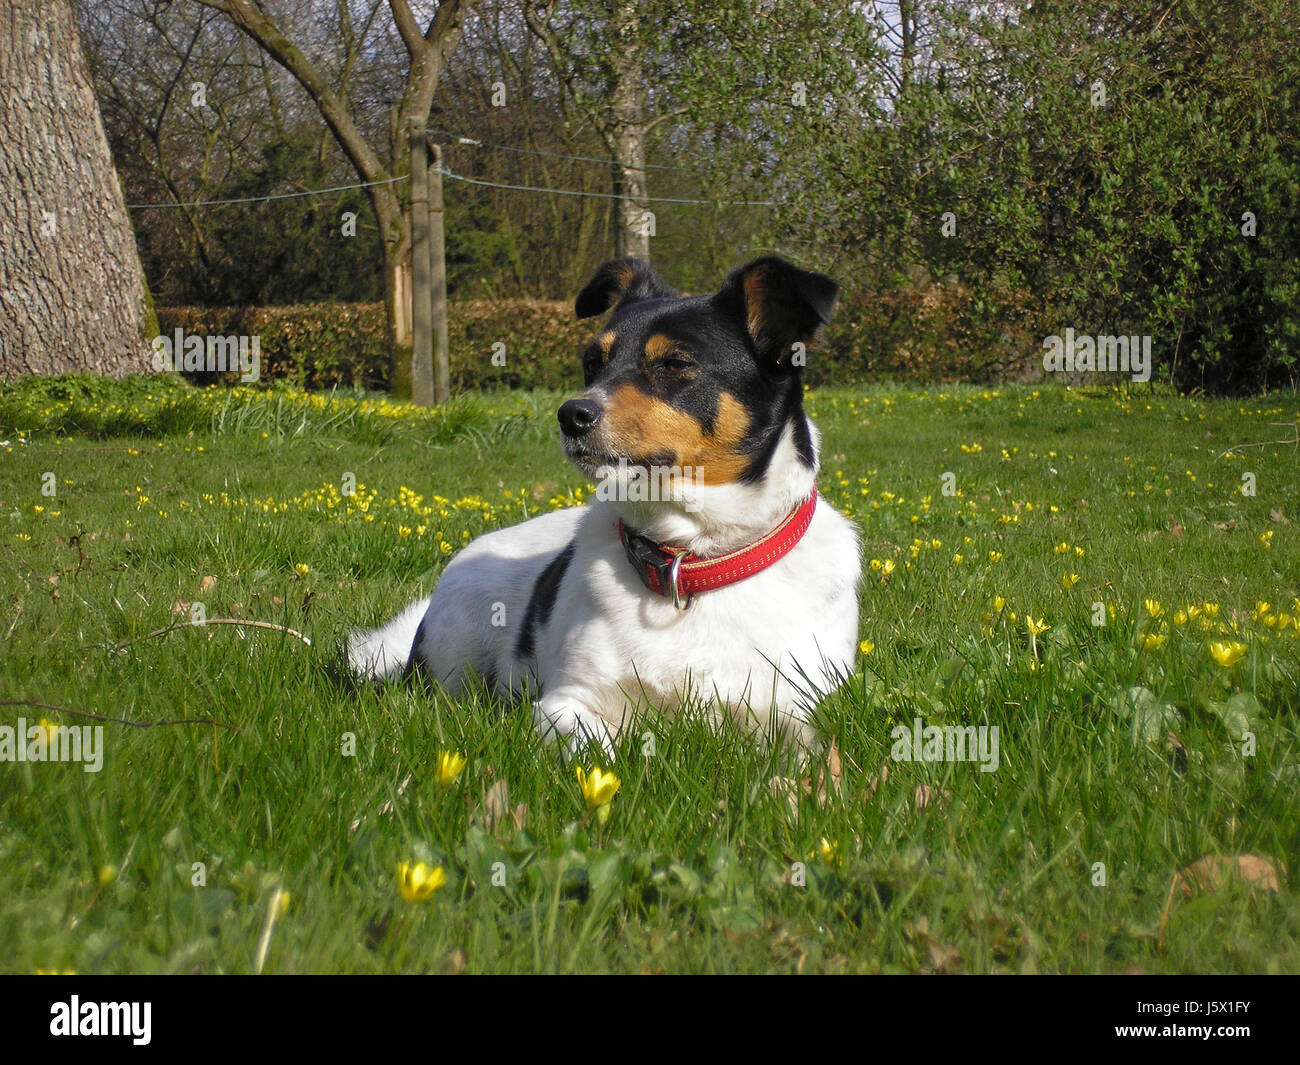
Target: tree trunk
[634,222]
[71,286]
[398,298]
[907,15]
[397,301]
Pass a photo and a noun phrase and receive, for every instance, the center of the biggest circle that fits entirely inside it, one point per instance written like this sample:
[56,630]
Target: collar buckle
[658,566]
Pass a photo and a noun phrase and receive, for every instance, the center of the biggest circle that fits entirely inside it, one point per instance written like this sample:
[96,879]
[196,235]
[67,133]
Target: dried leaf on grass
[495,810]
[1209,873]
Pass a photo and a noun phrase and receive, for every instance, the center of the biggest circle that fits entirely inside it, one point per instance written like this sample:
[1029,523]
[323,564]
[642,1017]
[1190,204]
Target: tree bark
[71,288]
[635,223]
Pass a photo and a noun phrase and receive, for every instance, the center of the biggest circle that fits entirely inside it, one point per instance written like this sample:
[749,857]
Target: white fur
[761,651]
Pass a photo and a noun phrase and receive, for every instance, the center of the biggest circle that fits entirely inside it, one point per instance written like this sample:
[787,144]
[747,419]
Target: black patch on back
[413,664]
[541,602]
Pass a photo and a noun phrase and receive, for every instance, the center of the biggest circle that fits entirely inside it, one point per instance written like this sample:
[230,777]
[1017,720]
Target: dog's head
[707,382]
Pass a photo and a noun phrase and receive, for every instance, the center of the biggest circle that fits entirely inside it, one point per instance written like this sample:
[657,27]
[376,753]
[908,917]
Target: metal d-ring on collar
[674,571]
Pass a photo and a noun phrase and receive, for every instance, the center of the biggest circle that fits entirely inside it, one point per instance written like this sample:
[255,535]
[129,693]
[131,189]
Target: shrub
[324,345]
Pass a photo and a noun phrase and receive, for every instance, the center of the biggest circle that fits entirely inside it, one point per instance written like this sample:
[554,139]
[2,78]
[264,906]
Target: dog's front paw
[571,727]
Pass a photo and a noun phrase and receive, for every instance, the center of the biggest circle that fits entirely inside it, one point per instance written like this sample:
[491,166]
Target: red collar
[678,574]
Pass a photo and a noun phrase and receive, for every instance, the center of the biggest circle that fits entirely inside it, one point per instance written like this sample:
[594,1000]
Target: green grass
[167,497]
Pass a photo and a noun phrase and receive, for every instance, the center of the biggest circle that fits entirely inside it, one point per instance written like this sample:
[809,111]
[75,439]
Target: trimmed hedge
[939,333]
[936,333]
[322,345]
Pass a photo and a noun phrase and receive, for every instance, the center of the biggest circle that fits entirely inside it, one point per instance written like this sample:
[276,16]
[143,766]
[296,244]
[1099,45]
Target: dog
[707,571]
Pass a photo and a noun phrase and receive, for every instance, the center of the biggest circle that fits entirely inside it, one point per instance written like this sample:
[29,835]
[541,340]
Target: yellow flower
[1036,628]
[957,560]
[107,874]
[1211,610]
[598,787]
[1061,548]
[418,882]
[50,727]
[995,556]
[1262,608]
[450,764]
[826,850]
[1180,618]
[1069,580]
[302,569]
[1227,652]
[866,647]
[1152,642]
[998,603]
[1153,607]
[1266,538]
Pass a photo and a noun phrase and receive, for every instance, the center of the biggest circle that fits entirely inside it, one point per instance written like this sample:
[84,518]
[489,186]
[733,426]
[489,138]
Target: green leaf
[1147,716]
[1238,714]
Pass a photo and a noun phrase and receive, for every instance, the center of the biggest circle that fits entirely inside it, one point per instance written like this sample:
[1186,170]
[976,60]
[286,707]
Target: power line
[600,195]
[264,199]
[547,155]
[454,177]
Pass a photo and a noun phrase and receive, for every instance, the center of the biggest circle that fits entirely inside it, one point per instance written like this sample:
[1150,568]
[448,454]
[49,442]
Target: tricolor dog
[707,572]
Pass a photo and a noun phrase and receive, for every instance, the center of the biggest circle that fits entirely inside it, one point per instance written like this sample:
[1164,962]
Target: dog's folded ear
[619,282]
[780,306]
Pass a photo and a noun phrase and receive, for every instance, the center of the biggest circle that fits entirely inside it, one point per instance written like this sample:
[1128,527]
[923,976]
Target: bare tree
[71,286]
[427,52]
[617,110]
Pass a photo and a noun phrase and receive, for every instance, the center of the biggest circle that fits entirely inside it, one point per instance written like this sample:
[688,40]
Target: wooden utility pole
[438,263]
[422,390]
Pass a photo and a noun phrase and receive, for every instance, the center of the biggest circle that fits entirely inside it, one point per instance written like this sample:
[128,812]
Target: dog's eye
[676,363]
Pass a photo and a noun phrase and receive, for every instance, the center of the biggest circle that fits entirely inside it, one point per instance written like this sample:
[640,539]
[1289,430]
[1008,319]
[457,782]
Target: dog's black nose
[578,416]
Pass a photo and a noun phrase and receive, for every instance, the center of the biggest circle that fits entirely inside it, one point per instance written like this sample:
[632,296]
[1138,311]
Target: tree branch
[272,40]
[407,27]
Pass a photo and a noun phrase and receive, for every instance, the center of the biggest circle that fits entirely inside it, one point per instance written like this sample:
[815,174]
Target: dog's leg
[561,718]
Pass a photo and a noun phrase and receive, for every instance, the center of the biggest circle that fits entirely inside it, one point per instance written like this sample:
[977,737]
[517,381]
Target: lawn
[253,805]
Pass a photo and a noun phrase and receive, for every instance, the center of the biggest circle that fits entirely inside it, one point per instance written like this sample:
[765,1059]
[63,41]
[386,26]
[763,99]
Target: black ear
[779,305]
[618,282]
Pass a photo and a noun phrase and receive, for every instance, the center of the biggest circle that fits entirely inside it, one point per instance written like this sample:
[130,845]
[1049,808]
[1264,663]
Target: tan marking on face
[660,346]
[606,341]
[641,426]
